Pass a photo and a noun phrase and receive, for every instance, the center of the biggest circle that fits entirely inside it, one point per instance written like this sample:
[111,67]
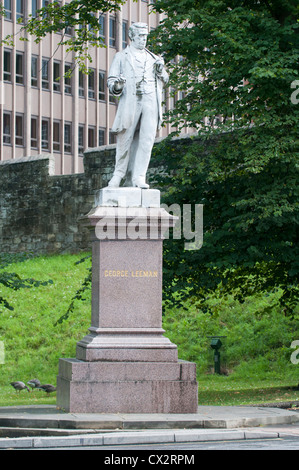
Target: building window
[56,136]
[45,74]
[34,8]
[91,137]
[6,128]
[56,76]
[68,30]
[91,28]
[45,134]
[112,32]
[67,79]
[19,68]
[19,130]
[20,10]
[102,87]
[7,66]
[34,71]
[112,137]
[81,84]
[102,28]
[124,34]
[67,138]
[7,9]
[101,137]
[91,83]
[80,140]
[34,132]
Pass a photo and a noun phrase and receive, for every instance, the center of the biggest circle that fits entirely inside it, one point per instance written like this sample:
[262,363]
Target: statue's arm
[116,81]
[161,71]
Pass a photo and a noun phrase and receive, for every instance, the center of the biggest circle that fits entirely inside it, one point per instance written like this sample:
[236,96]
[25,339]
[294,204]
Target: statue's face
[139,40]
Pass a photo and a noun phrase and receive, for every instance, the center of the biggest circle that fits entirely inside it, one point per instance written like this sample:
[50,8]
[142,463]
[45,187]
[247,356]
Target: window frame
[101,87]
[91,83]
[6,138]
[20,11]
[19,126]
[67,142]
[67,80]
[81,139]
[45,77]
[7,52]
[112,31]
[101,132]
[19,77]
[56,143]
[34,138]
[81,88]
[43,140]
[8,10]
[34,64]
[56,80]
[91,137]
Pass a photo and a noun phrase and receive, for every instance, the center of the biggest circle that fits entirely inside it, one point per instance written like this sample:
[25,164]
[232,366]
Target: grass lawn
[34,342]
[213,390]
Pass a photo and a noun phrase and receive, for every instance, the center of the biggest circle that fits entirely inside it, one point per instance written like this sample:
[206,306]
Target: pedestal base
[126,387]
[125,364]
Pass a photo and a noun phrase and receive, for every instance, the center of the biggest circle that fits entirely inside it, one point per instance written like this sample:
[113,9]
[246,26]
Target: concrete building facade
[41,111]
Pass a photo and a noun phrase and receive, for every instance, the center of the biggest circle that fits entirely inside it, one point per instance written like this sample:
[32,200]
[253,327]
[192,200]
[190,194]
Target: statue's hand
[159,65]
[119,84]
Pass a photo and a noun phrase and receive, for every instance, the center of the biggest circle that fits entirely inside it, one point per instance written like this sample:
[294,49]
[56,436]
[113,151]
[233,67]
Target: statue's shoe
[140,183]
[115,181]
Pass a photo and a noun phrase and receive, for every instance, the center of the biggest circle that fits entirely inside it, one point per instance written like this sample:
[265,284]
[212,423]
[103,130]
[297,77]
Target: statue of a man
[137,76]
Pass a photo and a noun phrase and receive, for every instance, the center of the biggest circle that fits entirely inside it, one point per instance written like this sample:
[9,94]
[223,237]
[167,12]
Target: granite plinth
[113,344]
[121,387]
[125,364]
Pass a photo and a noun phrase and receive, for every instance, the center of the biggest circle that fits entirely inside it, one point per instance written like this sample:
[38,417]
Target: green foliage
[250,221]
[79,15]
[13,280]
[258,336]
[237,63]
[81,292]
[33,339]
[237,60]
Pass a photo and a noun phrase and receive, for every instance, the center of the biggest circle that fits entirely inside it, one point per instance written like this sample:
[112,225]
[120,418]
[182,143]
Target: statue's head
[138,33]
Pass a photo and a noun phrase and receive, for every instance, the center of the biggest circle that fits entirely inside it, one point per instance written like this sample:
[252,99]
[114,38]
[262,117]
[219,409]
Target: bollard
[216,345]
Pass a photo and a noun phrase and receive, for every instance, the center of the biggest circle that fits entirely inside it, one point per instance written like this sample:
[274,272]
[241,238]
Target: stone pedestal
[125,363]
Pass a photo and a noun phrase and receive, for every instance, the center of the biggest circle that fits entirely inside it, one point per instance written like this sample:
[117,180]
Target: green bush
[258,334]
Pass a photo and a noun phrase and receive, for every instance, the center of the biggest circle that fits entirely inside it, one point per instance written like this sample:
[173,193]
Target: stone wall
[39,211]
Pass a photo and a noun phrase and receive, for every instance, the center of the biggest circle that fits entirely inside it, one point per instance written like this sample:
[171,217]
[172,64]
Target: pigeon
[47,388]
[34,383]
[18,386]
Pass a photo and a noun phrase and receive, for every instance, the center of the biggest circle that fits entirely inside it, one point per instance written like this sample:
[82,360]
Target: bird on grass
[47,388]
[34,383]
[18,386]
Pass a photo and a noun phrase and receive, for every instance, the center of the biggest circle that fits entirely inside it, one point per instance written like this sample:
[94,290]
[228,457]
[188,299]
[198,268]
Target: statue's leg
[147,134]
[124,140]
[123,150]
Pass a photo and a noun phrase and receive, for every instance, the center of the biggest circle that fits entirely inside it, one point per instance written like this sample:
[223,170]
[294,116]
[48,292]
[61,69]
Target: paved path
[46,427]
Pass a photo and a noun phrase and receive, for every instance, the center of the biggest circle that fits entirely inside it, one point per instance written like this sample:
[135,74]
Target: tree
[81,16]
[235,63]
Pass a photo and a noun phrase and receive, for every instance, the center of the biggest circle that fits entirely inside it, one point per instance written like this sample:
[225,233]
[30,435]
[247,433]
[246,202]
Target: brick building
[41,112]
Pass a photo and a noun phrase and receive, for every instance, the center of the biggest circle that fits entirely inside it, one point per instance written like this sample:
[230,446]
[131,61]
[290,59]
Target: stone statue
[137,76]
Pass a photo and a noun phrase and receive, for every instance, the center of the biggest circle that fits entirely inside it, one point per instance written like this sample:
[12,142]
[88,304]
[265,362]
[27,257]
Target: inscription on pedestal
[144,273]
